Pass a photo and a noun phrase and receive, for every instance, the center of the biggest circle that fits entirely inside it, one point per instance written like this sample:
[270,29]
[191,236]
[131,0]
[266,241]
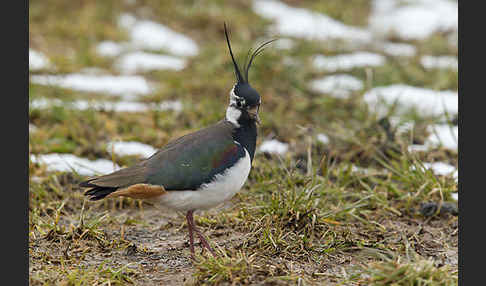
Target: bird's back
[183,164]
[194,159]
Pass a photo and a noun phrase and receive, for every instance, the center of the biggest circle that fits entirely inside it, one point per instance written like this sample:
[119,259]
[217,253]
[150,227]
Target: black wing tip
[88,183]
[94,198]
[98,193]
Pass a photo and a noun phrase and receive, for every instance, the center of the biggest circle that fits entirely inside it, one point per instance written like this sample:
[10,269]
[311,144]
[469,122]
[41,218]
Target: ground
[359,208]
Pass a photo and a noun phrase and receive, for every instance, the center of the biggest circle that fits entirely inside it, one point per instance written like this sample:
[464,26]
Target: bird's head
[244,99]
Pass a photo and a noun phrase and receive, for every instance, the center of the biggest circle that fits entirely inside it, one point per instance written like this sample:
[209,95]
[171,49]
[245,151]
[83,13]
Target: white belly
[223,188]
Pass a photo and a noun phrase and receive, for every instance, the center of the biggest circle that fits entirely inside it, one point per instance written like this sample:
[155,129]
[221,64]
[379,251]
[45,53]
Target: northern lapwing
[199,170]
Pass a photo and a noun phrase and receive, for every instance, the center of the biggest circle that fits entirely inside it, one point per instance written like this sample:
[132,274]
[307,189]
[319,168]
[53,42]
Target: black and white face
[245,96]
[244,102]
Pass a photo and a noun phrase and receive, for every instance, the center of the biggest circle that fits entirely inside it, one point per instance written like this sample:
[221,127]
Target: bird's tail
[107,185]
[97,192]
[129,182]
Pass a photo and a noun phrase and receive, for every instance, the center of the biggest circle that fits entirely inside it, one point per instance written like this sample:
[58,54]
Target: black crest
[239,76]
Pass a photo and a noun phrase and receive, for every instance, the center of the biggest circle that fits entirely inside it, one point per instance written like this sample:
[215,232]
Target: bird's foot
[192,228]
[205,243]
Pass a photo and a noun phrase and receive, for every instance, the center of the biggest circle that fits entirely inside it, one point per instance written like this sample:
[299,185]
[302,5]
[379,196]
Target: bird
[200,170]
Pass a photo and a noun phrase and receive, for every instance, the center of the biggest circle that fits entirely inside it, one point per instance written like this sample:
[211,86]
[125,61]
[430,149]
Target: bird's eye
[238,103]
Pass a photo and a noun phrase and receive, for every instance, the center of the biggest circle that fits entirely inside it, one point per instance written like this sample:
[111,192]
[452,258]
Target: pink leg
[205,242]
[192,228]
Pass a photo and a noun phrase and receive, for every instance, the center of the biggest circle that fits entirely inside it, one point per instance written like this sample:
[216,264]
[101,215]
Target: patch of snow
[413,20]
[398,49]
[37,60]
[303,23]
[128,106]
[126,21]
[357,169]
[174,105]
[408,19]
[440,135]
[455,196]
[114,85]
[440,168]
[154,36]
[441,62]
[417,148]
[443,169]
[274,146]
[70,162]
[443,134]
[323,138]
[109,49]
[424,100]
[117,106]
[338,85]
[402,127]
[43,103]
[130,148]
[35,179]
[140,61]
[348,61]
[32,128]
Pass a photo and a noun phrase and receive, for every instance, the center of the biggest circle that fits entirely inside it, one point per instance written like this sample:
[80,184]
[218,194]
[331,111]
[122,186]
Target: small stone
[430,208]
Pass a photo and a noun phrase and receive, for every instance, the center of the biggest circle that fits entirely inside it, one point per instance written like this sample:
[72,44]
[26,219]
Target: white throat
[232,113]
